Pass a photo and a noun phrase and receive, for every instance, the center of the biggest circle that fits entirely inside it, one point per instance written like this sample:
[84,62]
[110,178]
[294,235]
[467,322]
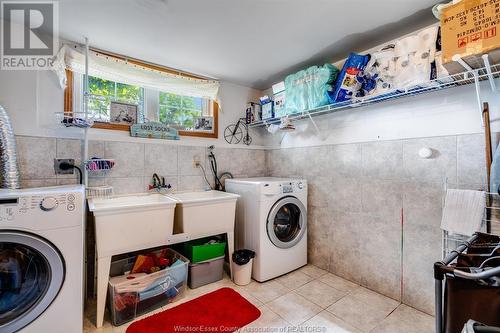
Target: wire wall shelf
[469,76]
[74,119]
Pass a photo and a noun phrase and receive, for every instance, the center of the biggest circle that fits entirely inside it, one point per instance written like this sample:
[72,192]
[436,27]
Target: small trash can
[242,266]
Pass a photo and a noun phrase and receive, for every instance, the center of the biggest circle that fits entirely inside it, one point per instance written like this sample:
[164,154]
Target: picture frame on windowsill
[123,113]
[205,123]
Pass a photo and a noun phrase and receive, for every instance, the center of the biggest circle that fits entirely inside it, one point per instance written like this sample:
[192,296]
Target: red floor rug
[223,310]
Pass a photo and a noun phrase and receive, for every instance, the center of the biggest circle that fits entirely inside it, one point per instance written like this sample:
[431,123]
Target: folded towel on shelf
[463,211]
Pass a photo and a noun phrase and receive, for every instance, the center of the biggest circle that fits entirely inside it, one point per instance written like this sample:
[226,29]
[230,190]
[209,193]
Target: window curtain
[113,69]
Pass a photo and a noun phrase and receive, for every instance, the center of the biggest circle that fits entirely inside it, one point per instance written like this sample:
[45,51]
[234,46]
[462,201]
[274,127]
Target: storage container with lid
[206,272]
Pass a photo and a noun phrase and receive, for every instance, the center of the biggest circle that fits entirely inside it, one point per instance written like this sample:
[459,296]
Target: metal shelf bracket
[474,74]
[491,78]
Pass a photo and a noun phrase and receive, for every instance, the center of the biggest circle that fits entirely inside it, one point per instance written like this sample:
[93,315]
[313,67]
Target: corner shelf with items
[99,167]
[468,76]
[74,119]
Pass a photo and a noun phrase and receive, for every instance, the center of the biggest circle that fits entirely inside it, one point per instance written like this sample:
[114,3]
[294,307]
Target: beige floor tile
[327,322]
[361,308]
[313,271]
[268,321]
[320,293]
[338,282]
[406,319]
[370,297]
[267,291]
[294,279]
[294,308]
[243,292]
[357,313]
[122,328]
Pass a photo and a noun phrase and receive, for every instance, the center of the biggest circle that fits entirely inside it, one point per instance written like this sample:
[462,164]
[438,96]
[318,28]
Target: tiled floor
[313,300]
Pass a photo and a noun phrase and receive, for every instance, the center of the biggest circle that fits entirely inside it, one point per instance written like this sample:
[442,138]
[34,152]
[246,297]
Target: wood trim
[109,126]
[214,134]
[68,92]
[147,64]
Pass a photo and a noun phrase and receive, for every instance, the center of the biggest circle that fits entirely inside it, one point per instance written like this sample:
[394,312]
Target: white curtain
[113,69]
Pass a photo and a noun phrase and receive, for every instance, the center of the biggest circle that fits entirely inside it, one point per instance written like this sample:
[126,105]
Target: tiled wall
[135,163]
[375,208]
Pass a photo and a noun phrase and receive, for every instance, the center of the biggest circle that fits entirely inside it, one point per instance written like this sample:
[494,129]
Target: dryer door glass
[286,223]
[31,275]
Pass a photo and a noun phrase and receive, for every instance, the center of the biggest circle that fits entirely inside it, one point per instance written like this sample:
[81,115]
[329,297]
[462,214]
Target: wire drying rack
[490,223]
[443,268]
[99,192]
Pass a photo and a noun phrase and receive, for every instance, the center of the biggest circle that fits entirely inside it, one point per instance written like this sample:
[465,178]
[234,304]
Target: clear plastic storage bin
[132,295]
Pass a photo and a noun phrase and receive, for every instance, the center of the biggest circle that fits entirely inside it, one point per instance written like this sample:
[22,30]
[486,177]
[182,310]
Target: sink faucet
[158,184]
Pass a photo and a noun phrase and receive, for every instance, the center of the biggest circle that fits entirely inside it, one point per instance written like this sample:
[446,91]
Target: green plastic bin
[197,251]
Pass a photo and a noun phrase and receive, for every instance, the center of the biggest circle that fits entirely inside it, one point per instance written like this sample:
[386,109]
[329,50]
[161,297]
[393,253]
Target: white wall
[31,99]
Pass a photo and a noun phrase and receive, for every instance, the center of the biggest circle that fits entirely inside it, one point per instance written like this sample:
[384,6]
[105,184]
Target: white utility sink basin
[129,202]
[133,222]
[125,224]
[204,213]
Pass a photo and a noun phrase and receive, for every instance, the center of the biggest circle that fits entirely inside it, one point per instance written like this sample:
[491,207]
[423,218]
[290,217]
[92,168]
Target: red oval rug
[223,310]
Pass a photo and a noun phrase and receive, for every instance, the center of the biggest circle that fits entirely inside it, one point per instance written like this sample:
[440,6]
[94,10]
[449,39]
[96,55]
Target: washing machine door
[287,222]
[31,275]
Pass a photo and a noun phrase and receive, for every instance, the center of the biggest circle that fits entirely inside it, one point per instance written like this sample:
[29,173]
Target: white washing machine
[271,219]
[41,260]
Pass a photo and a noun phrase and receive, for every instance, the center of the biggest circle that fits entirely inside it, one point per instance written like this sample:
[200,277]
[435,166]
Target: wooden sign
[154,130]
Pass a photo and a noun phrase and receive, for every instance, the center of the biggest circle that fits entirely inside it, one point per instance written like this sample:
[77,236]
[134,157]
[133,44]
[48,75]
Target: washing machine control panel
[27,205]
[48,203]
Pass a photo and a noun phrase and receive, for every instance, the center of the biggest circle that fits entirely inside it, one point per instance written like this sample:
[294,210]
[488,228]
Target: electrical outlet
[57,163]
[196,161]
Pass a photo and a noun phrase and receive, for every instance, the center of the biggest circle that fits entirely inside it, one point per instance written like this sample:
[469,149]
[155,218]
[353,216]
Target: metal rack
[442,268]
[469,76]
[490,224]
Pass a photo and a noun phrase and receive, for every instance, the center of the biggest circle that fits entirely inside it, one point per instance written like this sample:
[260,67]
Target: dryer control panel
[287,187]
[292,187]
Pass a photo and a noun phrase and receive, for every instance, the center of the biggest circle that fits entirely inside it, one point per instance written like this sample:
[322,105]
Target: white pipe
[86,111]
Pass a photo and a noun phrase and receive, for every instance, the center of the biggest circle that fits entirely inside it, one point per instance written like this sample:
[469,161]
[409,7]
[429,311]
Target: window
[183,112]
[103,92]
[191,116]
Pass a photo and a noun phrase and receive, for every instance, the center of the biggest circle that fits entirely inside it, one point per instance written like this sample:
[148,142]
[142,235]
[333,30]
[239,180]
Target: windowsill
[126,128]
[122,136]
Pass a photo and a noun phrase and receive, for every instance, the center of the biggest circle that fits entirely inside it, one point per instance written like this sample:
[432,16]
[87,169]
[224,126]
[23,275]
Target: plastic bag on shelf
[308,88]
[349,83]
[378,76]
[414,57]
